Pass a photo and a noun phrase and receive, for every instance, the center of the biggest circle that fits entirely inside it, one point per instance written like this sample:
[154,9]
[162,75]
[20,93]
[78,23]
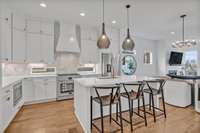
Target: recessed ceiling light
[172,32]
[42,4]
[82,14]
[114,22]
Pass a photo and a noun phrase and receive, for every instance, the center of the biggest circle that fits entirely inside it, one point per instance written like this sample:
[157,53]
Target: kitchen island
[195,84]
[83,90]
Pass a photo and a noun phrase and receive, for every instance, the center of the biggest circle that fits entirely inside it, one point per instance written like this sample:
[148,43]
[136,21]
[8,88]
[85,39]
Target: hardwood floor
[59,117]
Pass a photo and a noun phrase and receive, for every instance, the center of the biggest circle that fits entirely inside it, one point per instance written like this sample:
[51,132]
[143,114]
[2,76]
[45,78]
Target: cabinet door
[50,85]
[47,43]
[28,90]
[19,45]
[6,46]
[33,26]
[89,52]
[47,28]
[7,104]
[40,92]
[33,47]
[19,22]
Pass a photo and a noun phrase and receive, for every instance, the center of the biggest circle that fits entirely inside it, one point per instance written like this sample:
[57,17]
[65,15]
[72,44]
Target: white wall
[142,46]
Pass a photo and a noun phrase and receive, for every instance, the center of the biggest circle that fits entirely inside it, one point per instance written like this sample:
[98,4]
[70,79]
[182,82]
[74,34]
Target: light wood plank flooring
[59,117]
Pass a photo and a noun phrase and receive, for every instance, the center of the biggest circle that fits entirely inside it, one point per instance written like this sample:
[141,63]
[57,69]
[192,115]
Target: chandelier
[183,43]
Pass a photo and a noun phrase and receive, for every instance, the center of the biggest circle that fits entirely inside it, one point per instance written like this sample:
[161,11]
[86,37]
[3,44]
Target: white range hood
[67,40]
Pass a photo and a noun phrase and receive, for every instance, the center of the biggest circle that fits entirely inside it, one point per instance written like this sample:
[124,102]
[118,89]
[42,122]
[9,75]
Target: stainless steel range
[65,86]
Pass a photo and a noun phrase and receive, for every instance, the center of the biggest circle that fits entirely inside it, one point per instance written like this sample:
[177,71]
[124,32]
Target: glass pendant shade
[128,43]
[103,41]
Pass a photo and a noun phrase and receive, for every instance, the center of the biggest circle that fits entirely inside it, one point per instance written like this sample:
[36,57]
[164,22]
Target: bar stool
[136,93]
[107,100]
[152,91]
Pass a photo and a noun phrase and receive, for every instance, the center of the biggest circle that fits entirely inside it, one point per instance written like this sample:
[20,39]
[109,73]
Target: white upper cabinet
[89,50]
[40,41]
[33,26]
[19,46]
[89,34]
[47,43]
[19,22]
[19,39]
[47,28]
[34,47]
[6,43]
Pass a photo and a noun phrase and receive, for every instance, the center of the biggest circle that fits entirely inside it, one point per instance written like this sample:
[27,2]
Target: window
[190,57]
[148,58]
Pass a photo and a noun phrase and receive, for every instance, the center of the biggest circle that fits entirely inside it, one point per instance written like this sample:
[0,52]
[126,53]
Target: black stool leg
[163,101]
[117,111]
[120,111]
[149,101]
[91,113]
[145,118]
[138,105]
[110,112]
[130,114]
[153,105]
[102,124]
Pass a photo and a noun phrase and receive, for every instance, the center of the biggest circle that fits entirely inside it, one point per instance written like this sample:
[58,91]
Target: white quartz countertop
[90,82]
[9,80]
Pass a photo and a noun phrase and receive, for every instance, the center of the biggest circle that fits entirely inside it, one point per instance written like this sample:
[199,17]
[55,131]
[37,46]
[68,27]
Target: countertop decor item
[103,41]
[128,43]
[183,43]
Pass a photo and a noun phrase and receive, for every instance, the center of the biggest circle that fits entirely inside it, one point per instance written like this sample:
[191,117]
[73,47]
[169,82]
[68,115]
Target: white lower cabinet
[6,107]
[28,90]
[39,89]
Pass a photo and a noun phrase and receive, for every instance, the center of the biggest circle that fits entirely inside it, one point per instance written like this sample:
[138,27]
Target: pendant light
[183,43]
[128,43]
[103,41]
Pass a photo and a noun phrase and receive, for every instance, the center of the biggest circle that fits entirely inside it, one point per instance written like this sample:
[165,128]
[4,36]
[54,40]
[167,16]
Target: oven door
[65,87]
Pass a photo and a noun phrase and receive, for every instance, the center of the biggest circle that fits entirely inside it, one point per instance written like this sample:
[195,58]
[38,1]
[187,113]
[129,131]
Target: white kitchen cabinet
[34,47]
[47,28]
[89,33]
[7,107]
[89,52]
[19,45]
[39,89]
[33,26]
[40,42]
[50,85]
[6,43]
[47,44]
[40,92]
[28,90]
[19,39]
[19,22]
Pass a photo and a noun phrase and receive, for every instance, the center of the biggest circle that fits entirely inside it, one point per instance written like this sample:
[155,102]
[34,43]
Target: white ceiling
[153,19]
